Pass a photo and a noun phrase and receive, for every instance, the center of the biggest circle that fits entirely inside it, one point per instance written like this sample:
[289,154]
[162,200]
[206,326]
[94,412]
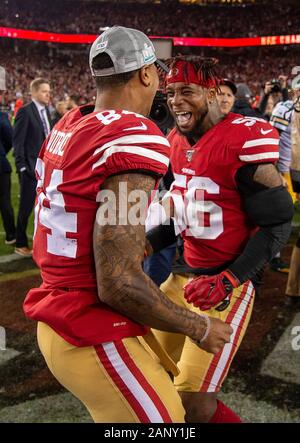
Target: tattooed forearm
[122,284]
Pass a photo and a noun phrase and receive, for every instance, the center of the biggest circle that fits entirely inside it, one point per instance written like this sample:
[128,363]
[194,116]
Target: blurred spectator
[32,126]
[171,18]
[226,95]
[72,101]
[19,103]
[243,100]
[24,60]
[293,284]
[60,110]
[6,209]
[281,118]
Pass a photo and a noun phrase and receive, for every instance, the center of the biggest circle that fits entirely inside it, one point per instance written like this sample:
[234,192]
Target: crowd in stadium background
[65,65]
[165,18]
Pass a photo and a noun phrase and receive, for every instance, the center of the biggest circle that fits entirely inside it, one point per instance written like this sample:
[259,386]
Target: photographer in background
[274,91]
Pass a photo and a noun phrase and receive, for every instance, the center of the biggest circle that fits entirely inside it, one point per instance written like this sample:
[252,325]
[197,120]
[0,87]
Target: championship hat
[129,50]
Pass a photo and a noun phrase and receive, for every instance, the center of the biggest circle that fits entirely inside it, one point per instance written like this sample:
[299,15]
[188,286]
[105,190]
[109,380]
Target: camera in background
[276,87]
[160,113]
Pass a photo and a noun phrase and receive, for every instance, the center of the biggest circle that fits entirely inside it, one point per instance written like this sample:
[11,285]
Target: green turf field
[4,249]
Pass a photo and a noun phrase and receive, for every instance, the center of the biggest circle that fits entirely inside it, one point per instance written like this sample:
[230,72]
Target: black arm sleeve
[272,210]
[260,249]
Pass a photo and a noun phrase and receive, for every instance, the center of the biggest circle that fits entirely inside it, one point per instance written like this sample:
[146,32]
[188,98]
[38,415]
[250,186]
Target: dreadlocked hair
[205,69]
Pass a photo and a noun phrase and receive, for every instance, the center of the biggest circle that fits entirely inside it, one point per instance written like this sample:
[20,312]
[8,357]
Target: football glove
[207,291]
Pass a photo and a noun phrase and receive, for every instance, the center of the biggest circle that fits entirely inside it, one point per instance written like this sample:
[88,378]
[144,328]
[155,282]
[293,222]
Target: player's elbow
[115,292]
[270,207]
[106,293]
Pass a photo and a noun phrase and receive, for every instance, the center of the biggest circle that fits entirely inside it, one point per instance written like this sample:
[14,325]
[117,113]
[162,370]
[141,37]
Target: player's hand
[206,291]
[219,334]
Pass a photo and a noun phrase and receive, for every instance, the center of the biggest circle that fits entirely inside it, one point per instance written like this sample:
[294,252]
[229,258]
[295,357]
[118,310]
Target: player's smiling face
[188,105]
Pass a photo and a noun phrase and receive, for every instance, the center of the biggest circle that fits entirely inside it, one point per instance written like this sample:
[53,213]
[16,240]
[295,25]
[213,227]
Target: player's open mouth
[183,118]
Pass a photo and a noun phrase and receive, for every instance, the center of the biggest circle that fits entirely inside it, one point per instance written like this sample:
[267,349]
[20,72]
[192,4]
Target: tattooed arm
[119,250]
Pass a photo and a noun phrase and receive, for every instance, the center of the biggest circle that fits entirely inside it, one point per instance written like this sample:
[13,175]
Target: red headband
[184,72]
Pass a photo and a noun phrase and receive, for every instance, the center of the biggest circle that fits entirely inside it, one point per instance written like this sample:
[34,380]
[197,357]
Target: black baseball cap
[230,84]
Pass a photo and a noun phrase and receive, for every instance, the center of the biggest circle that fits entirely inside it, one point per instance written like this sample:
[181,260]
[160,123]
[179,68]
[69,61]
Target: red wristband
[232,278]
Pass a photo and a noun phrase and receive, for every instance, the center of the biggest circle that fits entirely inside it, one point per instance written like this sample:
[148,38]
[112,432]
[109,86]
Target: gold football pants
[118,382]
[199,370]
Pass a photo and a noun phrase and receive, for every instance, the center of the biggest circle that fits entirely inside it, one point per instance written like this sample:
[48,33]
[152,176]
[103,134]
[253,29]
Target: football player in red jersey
[95,305]
[234,216]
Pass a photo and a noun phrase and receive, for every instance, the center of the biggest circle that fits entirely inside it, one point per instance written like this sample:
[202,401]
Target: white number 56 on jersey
[190,208]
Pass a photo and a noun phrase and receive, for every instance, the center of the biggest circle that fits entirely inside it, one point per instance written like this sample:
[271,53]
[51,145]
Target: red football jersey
[209,207]
[77,157]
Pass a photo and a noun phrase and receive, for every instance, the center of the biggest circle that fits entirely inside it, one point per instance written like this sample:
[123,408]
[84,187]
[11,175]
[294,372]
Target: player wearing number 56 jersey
[96,172]
[234,215]
[206,175]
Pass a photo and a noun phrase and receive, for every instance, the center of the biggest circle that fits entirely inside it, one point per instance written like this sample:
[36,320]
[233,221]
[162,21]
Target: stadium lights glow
[272,40]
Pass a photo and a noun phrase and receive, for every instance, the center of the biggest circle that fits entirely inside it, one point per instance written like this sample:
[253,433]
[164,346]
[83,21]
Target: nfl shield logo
[189,155]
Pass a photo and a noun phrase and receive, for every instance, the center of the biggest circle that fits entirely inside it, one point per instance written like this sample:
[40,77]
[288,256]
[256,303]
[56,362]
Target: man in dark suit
[6,209]
[32,126]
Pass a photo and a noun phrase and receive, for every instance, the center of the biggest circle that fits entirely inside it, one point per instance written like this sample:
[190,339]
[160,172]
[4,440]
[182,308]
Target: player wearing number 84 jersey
[70,178]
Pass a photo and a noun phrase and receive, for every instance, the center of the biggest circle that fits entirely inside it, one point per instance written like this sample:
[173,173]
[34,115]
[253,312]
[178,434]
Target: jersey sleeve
[259,144]
[136,145]
[281,115]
